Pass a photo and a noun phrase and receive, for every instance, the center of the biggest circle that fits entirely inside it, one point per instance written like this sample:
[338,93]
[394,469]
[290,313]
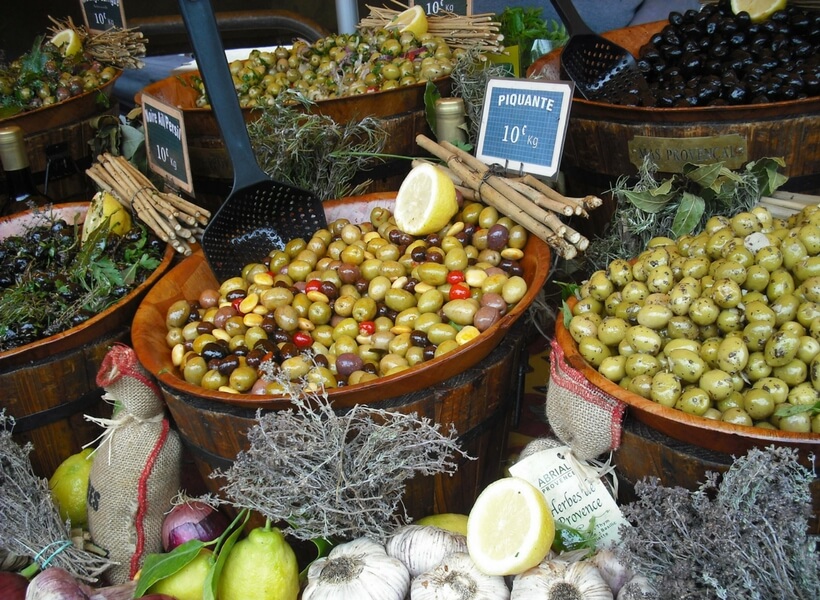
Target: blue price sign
[524,124]
[101,15]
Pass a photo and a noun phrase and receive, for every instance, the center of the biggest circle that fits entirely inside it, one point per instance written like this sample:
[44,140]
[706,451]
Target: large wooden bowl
[50,384]
[193,275]
[68,111]
[698,431]
[606,141]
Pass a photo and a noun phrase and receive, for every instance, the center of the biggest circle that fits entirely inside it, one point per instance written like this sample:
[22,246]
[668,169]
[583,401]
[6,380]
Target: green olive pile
[337,66]
[353,303]
[713,57]
[724,324]
[44,77]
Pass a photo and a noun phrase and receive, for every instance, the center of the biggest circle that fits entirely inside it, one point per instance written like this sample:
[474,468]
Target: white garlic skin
[457,578]
[423,547]
[638,588]
[559,580]
[614,572]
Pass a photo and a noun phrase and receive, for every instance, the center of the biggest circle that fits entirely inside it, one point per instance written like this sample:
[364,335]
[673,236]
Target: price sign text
[101,15]
[165,142]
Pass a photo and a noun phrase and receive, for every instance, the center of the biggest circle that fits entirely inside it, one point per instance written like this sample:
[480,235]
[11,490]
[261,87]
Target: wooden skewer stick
[540,199]
[577,207]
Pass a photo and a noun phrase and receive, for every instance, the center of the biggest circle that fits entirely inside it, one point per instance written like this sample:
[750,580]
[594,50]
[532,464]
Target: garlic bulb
[422,547]
[558,580]
[613,571]
[638,588]
[360,569]
[457,578]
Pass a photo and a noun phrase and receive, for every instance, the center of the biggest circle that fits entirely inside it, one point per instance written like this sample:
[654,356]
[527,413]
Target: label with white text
[102,15]
[165,142]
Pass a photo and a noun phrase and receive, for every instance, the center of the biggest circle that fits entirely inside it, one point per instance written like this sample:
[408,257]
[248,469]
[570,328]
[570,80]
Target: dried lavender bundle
[30,524]
[743,537]
[336,476]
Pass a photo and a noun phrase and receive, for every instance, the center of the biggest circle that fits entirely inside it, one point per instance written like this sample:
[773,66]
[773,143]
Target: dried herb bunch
[30,524]
[336,476]
[313,151]
[116,46]
[469,78]
[744,537]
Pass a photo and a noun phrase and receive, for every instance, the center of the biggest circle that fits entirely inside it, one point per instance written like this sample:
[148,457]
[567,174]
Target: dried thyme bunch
[336,476]
[30,524]
[312,151]
[742,538]
[470,76]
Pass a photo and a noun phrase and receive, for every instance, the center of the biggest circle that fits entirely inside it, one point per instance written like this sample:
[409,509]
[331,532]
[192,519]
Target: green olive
[759,311]
[777,388]
[734,400]
[756,334]
[682,327]
[803,394]
[737,416]
[439,332]
[515,288]
[694,401]
[686,365]
[660,279]
[640,385]
[194,370]
[643,339]
[770,258]
[757,368]
[709,350]
[593,350]
[799,423]
[717,383]
[177,314]
[666,389]
[733,354]
[634,291]
[461,312]
[654,316]
[781,348]
[613,367]
[611,330]
[704,311]
[619,272]
[600,286]
[642,364]
[758,404]
[793,372]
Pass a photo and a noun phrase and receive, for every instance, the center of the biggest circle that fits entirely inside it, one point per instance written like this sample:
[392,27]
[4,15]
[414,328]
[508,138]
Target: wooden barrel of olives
[607,141]
[400,111]
[679,448]
[49,385]
[474,387]
[58,136]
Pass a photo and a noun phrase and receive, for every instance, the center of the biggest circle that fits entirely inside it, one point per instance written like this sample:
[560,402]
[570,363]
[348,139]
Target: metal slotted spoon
[259,213]
[602,70]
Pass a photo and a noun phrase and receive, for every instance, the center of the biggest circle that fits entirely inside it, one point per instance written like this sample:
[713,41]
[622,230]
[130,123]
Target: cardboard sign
[524,124]
[101,15]
[165,142]
[433,7]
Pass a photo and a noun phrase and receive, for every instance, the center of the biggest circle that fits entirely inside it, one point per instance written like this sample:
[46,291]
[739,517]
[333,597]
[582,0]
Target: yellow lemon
[510,528]
[103,207]
[426,201]
[450,521]
[68,41]
[69,487]
[413,20]
[759,10]
[260,567]
[189,582]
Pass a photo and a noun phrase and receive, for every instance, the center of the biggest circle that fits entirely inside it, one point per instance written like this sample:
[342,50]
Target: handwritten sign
[524,124]
[433,7]
[165,142]
[101,15]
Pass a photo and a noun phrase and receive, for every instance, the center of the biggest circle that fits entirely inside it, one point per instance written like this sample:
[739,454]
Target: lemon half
[426,201]
[510,528]
[759,10]
[105,206]
[414,20]
[68,41]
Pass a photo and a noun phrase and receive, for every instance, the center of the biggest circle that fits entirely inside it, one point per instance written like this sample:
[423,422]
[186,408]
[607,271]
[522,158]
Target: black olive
[738,38]
[719,50]
[212,350]
[735,94]
[675,18]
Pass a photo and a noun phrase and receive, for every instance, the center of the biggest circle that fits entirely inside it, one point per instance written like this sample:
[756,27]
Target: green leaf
[212,579]
[323,548]
[161,566]
[650,201]
[132,140]
[431,94]
[690,210]
[703,175]
[787,410]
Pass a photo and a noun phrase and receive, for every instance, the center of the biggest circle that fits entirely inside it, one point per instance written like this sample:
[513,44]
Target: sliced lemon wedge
[414,20]
[759,10]
[426,201]
[510,528]
[68,41]
[105,207]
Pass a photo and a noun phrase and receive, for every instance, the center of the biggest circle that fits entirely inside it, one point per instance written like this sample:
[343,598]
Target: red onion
[192,520]
[55,583]
[12,586]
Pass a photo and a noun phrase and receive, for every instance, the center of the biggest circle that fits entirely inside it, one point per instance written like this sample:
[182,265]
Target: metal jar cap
[450,106]
[12,149]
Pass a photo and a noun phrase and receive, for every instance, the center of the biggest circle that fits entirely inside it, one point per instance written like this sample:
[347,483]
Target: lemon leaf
[162,566]
[212,580]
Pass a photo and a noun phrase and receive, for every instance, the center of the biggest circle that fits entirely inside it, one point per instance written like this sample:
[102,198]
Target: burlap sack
[136,466]
[581,415]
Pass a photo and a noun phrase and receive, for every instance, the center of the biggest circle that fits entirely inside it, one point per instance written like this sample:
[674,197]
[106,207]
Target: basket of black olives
[725,88]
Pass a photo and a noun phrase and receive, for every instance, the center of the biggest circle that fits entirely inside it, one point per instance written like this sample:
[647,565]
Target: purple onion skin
[204,523]
[12,586]
[55,583]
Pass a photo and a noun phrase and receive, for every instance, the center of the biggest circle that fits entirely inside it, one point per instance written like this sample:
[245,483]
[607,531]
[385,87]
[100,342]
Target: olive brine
[724,324]
[351,304]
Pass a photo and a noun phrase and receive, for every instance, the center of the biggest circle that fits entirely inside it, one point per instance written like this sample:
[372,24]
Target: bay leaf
[690,210]
[161,566]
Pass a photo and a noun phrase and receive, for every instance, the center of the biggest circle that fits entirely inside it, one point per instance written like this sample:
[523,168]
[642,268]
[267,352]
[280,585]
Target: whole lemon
[454,522]
[260,567]
[189,582]
[69,487]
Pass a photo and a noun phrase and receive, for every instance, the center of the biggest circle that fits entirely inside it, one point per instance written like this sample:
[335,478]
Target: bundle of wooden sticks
[459,31]
[172,218]
[527,200]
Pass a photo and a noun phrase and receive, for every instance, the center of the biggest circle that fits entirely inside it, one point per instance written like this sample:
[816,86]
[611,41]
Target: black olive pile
[49,283]
[713,57]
